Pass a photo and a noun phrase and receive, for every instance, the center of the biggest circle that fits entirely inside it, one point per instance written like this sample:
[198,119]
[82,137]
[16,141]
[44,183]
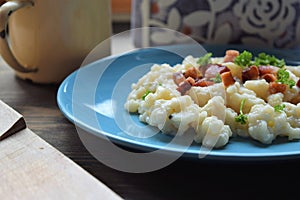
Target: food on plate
[238,95]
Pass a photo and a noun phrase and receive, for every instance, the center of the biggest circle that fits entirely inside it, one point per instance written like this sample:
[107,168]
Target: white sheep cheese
[201,95]
[235,94]
[265,124]
[260,87]
[169,115]
[293,114]
[213,133]
[275,99]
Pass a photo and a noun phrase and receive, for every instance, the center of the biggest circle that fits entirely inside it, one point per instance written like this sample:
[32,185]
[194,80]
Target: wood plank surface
[33,169]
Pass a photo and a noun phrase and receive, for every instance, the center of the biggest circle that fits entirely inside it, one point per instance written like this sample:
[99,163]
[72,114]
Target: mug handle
[5,11]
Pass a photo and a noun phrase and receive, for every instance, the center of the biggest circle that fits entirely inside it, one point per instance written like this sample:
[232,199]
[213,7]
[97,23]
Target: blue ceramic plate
[93,98]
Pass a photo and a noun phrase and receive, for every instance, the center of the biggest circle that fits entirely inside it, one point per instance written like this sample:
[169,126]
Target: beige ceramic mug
[45,40]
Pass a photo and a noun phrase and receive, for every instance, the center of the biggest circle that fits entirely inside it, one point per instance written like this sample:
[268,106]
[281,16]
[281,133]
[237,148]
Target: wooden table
[183,179]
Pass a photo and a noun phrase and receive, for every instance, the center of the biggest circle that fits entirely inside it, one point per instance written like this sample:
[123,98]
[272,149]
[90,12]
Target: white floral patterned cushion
[267,23]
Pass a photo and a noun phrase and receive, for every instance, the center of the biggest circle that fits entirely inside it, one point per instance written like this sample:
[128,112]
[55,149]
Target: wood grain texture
[32,169]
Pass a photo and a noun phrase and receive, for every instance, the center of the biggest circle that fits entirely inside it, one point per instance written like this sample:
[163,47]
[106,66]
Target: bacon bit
[211,71]
[183,87]
[190,80]
[192,72]
[231,55]
[269,77]
[276,88]
[227,79]
[215,69]
[203,69]
[250,73]
[267,70]
[178,78]
[224,69]
[296,99]
[203,83]
[298,83]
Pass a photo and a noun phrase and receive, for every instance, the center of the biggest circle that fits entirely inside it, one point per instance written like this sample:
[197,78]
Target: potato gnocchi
[221,97]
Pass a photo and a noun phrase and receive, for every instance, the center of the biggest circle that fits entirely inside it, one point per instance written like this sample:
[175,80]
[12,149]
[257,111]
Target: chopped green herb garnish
[283,77]
[146,94]
[205,60]
[217,79]
[244,59]
[241,117]
[279,108]
[265,59]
